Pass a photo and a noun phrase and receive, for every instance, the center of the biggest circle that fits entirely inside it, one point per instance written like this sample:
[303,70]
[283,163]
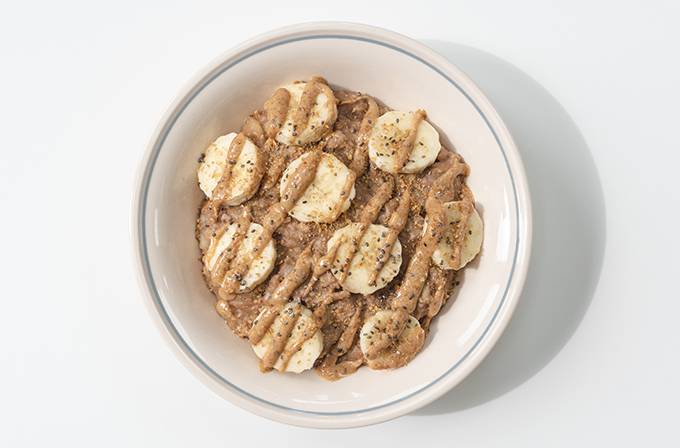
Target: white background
[591,93]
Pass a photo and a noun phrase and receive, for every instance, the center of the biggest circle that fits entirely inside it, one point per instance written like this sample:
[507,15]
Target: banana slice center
[389,133]
[405,347]
[321,118]
[244,177]
[329,194]
[473,235]
[361,266]
[307,352]
[261,267]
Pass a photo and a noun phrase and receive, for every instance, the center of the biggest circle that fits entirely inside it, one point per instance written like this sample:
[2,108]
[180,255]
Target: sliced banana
[390,130]
[305,357]
[404,348]
[246,173]
[321,118]
[364,261]
[330,193]
[472,242]
[261,267]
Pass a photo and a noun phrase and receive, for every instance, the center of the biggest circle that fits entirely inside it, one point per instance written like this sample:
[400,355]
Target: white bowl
[405,75]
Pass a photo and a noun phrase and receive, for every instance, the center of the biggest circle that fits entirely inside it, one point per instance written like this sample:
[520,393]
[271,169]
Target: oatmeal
[332,230]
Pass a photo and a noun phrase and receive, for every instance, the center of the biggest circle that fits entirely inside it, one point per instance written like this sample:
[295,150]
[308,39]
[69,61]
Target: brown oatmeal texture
[339,314]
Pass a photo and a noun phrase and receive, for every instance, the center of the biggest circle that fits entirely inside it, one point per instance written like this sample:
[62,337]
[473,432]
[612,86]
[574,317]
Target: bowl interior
[172,198]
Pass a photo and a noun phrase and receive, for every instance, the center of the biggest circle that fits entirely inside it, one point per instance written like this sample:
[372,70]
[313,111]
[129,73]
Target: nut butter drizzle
[368,215]
[228,255]
[366,218]
[280,338]
[252,129]
[441,280]
[323,265]
[293,279]
[301,113]
[276,109]
[221,190]
[310,328]
[466,208]
[395,224]
[300,179]
[344,195]
[414,278]
[360,155]
[275,168]
[329,367]
[416,272]
[406,146]
[276,303]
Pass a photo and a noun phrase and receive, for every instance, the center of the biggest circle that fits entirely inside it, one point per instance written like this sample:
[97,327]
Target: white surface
[82,89]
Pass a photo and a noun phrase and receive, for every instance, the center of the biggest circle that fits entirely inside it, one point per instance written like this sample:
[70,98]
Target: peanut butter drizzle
[405,349]
[405,300]
[441,282]
[263,322]
[372,208]
[301,113]
[344,194]
[406,146]
[229,254]
[208,225]
[414,277]
[347,336]
[213,213]
[396,224]
[221,190]
[223,309]
[300,179]
[280,338]
[360,155]
[366,218]
[277,301]
[329,299]
[323,265]
[280,296]
[307,332]
[252,129]
[466,208]
[329,366]
[275,170]
[355,240]
[292,280]
[276,109]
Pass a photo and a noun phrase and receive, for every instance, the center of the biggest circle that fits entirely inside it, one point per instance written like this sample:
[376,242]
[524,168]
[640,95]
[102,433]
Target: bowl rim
[501,317]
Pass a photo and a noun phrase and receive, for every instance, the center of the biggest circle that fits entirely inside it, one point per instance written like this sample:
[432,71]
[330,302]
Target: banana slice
[322,116]
[304,358]
[388,134]
[405,347]
[330,193]
[246,173]
[472,242]
[261,267]
[363,262]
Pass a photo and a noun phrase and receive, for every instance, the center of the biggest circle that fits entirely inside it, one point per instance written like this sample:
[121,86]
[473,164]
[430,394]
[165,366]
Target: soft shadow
[568,229]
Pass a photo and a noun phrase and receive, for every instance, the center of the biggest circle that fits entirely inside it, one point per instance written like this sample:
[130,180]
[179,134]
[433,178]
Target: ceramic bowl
[405,75]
